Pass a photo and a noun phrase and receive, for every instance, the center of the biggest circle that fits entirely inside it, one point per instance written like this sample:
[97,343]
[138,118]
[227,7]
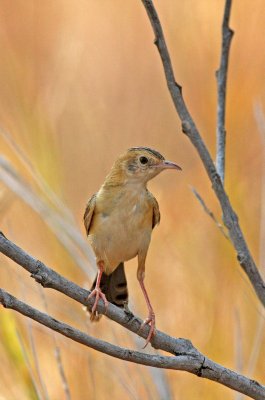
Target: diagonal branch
[185,356]
[209,212]
[49,278]
[221,75]
[180,362]
[189,128]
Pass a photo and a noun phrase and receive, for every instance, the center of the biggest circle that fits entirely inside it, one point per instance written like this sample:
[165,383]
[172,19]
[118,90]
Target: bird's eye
[143,160]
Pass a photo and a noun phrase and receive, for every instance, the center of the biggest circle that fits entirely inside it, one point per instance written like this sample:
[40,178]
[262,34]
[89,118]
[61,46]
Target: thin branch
[49,278]
[221,76]
[57,353]
[185,362]
[59,361]
[36,363]
[189,128]
[185,356]
[26,359]
[209,212]
[180,362]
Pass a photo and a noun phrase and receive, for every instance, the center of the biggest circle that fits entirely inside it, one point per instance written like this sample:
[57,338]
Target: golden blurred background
[81,82]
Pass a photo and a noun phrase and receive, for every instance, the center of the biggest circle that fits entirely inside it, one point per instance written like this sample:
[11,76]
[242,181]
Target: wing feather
[156,212]
[89,212]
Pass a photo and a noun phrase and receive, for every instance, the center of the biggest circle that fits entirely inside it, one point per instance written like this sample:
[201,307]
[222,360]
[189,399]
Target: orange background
[81,82]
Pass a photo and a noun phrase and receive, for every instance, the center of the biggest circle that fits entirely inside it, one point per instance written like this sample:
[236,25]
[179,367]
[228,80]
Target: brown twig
[185,355]
[189,128]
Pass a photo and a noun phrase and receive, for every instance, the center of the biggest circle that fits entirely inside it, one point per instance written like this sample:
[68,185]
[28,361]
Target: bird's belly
[119,238]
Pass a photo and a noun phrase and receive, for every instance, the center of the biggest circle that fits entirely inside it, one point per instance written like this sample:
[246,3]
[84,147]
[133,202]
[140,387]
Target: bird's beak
[169,165]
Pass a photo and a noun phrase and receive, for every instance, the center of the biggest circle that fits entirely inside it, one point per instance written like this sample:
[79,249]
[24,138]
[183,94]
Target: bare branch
[189,128]
[59,222]
[180,362]
[221,76]
[185,356]
[49,278]
[209,212]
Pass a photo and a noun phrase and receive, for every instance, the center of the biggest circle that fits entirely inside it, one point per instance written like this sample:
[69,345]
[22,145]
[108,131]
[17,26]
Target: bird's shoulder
[89,212]
[154,204]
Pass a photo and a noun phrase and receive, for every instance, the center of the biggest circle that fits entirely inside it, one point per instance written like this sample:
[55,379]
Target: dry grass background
[80,82]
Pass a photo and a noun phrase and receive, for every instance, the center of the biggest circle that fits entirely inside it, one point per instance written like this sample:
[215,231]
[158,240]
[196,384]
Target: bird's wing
[88,216]
[156,212]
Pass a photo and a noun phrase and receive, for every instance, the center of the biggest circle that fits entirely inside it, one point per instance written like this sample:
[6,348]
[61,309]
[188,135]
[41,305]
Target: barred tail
[114,286]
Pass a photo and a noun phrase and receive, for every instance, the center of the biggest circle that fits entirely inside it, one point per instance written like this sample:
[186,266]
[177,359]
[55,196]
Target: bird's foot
[127,311]
[150,320]
[97,292]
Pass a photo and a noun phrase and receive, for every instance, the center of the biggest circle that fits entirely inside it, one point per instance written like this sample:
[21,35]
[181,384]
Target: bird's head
[139,165]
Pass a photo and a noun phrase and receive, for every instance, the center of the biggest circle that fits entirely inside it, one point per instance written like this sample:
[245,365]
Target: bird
[119,220]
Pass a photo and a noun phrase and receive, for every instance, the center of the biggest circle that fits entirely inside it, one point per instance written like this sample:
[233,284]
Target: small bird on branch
[119,220]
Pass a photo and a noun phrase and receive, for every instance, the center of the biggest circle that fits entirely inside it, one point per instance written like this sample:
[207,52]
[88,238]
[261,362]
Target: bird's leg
[97,292]
[150,320]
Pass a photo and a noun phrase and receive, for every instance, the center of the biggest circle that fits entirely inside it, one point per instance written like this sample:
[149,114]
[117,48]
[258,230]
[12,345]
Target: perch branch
[185,356]
[181,362]
[221,76]
[49,278]
[189,128]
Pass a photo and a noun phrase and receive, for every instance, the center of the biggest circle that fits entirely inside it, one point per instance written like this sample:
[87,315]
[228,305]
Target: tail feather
[114,286]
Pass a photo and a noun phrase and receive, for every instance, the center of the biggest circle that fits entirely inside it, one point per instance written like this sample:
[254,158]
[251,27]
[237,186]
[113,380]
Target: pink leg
[97,292]
[151,316]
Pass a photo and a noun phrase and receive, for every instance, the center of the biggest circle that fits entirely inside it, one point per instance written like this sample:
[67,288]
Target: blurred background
[80,83]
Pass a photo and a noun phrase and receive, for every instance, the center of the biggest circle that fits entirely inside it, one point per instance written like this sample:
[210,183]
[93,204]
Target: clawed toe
[98,294]
[150,320]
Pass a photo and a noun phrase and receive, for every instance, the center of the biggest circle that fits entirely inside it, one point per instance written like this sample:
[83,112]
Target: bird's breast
[121,228]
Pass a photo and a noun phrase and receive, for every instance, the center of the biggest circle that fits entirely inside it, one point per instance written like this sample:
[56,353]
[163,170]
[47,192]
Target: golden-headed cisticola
[119,220]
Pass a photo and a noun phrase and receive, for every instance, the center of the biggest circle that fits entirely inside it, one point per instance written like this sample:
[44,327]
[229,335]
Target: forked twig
[189,128]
